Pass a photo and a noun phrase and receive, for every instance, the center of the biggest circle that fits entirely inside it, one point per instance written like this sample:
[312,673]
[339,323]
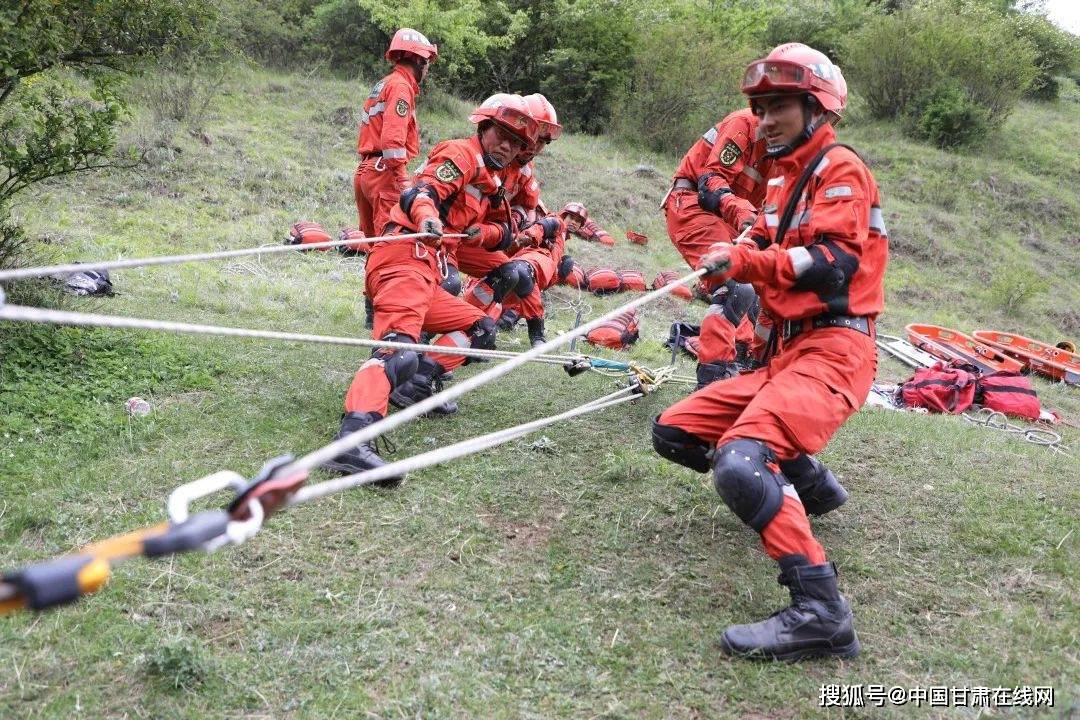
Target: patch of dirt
[528,535]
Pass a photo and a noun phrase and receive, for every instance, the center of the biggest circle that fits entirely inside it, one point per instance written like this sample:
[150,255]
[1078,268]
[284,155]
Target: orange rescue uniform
[823,282]
[403,277]
[388,140]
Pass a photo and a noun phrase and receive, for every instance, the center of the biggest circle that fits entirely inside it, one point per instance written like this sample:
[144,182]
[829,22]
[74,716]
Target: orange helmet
[510,112]
[544,113]
[407,40]
[577,209]
[797,68]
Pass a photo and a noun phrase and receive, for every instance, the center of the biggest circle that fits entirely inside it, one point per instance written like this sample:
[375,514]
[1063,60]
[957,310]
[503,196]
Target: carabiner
[379,167]
[180,499]
[417,247]
[443,263]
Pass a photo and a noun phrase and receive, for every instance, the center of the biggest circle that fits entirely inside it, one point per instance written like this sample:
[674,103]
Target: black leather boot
[508,319]
[363,456]
[426,382]
[818,488]
[817,623]
[711,372]
[536,331]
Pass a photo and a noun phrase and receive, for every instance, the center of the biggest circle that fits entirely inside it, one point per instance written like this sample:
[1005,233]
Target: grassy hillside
[580,577]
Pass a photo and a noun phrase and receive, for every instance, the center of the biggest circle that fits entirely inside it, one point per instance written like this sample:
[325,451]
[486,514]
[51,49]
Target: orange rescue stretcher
[1049,360]
[949,345]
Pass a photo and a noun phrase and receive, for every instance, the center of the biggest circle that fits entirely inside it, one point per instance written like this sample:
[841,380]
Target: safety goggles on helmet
[768,76]
[518,123]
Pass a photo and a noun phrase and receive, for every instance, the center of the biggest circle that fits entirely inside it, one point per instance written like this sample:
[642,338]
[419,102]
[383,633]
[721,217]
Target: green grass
[583,578]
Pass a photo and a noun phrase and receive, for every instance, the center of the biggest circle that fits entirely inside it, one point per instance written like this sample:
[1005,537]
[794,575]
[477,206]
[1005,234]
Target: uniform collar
[406,72]
[796,161]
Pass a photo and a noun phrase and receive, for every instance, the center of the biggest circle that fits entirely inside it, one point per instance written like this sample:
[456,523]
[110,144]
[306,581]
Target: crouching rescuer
[817,260]
[452,192]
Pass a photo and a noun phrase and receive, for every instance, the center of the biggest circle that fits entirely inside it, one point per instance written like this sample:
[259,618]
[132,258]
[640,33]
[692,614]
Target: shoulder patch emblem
[730,154]
[376,89]
[402,108]
[448,172]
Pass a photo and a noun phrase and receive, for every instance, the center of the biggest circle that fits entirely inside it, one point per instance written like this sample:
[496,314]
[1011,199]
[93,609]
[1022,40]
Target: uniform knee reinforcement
[452,282]
[399,365]
[679,446]
[749,481]
[483,334]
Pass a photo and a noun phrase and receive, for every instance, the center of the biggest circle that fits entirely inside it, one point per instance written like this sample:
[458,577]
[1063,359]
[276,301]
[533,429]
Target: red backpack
[667,277]
[617,333]
[603,280]
[304,233]
[941,389]
[631,281]
[1010,393]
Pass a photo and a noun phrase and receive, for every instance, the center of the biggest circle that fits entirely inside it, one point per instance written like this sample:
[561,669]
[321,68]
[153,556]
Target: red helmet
[577,209]
[508,111]
[544,113]
[487,108]
[797,68]
[407,40]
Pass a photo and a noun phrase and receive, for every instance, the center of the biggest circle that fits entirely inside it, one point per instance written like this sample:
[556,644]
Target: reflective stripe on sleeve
[772,220]
[752,174]
[838,191]
[877,221]
[474,191]
[710,136]
[776,181]
[394,153]
[801,260]
[821,166]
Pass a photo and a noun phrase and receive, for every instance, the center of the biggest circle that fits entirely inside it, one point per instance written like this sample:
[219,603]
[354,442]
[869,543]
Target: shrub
[1056,52]
[663,110]
[587,77]
[911,58]
[822,24]
[948,117]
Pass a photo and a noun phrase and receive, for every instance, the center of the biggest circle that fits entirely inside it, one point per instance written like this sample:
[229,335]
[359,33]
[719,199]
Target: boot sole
[844,651]
[353,469]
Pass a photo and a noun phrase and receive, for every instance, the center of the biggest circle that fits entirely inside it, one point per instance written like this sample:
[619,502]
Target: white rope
[457,450]
[22,313]
[197,257]
[332,450]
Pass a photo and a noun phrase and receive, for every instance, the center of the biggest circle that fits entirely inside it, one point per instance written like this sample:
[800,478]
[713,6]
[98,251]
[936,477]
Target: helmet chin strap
[810,126]
[489,162]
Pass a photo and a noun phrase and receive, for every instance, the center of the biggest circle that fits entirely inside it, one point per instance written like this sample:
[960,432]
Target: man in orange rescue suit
[539,247]
[714,196]
[389,138]
[816,256]
[451,193]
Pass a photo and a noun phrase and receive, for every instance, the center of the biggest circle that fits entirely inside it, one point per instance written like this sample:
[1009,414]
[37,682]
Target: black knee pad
[483,334]
[452,282]
[399,365]
[525,279]
[749,486]
[734,301]
[679,446]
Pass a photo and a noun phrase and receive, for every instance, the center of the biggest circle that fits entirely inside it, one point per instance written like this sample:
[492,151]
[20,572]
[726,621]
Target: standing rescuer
[451,192]
[389,137]
[818,266]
